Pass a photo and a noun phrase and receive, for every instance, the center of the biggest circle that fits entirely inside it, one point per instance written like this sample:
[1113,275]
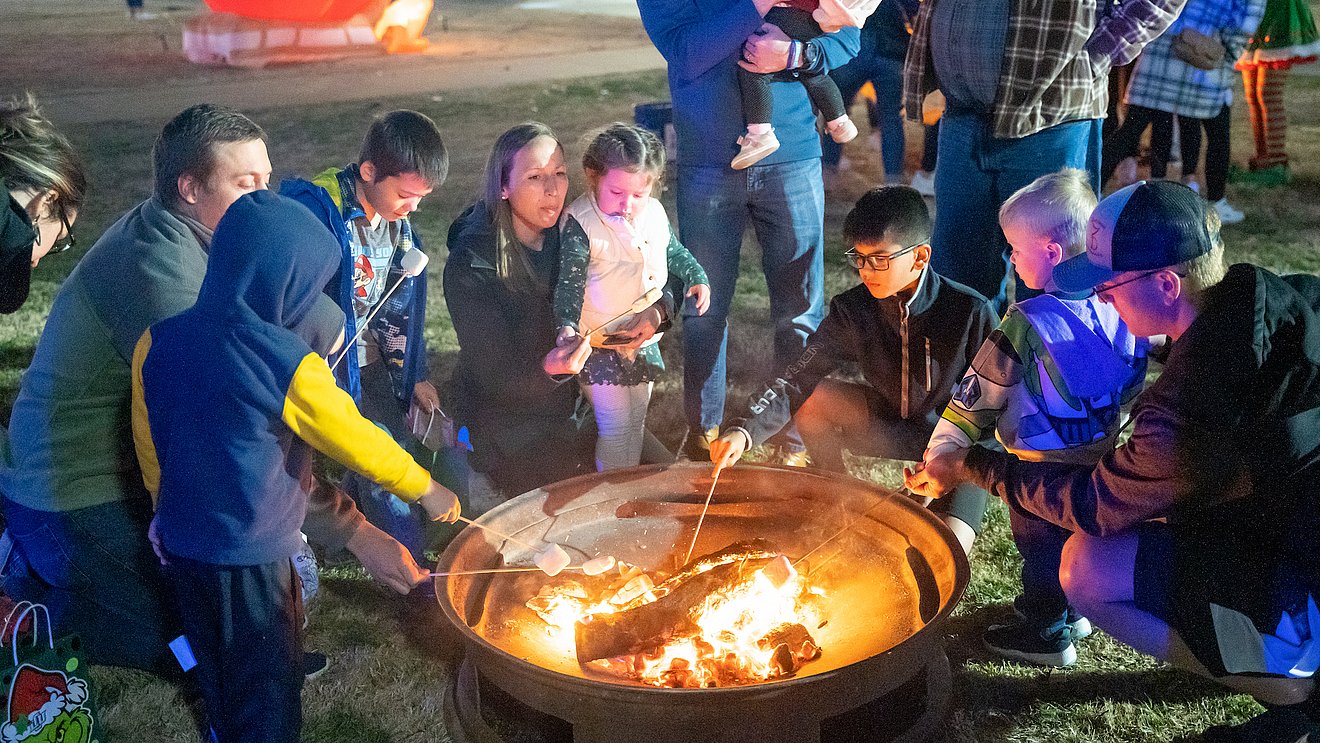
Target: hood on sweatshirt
[270,259]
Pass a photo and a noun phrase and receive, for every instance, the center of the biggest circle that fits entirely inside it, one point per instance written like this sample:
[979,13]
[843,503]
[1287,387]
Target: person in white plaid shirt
[1026,86]
[1198,92]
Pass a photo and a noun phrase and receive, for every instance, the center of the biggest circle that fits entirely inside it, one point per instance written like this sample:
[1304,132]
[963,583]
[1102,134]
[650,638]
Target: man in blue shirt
[705,42]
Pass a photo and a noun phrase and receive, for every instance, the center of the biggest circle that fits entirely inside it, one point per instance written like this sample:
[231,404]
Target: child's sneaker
[841,130]
[790,457]
[1227,214]
[755,148]
[924,183]
[1032,642]
[1079,625]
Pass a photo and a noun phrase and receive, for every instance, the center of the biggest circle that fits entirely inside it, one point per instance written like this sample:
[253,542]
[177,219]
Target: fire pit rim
[918,639]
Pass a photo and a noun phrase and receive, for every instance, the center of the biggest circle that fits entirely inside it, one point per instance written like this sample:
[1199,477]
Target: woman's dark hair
[406,142]
[35,157]
[898,212]
[621,146]
[187,145]
[511,262]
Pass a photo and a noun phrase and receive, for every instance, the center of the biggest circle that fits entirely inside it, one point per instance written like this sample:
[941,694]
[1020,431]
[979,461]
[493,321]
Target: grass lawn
[389,658]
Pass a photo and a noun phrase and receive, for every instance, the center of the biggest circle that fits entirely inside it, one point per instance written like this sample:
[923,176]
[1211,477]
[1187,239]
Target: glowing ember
[755,628]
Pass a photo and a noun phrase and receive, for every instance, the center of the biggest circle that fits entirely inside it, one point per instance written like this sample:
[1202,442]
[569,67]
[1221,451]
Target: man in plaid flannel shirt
[1026,88]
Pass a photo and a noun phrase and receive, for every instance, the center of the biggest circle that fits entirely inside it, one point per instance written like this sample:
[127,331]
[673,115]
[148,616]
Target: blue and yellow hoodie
[226,398]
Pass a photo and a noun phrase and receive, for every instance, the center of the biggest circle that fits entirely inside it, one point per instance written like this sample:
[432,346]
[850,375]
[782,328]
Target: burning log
[639,627]
[793,646]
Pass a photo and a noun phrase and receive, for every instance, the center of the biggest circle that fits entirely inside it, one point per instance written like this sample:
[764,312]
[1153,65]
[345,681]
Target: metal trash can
[658,117]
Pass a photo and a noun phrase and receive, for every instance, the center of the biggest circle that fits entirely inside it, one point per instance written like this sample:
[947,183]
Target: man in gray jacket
[74,501]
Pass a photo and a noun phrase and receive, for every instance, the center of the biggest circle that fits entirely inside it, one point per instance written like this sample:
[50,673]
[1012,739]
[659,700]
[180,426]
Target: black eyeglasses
[1102,288]
[63,243]
[875,261]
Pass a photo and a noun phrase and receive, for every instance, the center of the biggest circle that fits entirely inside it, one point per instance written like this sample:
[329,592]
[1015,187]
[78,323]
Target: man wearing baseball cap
[1195,540]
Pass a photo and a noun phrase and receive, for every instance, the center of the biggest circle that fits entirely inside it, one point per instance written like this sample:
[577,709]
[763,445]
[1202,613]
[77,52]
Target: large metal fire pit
[891,570]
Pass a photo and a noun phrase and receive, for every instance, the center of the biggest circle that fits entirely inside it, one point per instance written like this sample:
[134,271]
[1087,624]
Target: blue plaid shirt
[1165,83]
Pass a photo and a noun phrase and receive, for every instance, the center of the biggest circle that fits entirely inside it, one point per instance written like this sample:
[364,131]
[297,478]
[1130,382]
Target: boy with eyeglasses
[1050,384]
[910,332]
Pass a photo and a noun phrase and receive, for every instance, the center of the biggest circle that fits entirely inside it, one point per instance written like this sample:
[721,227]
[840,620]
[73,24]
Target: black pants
[1217,138]
[758,103]
[1126,140]
[244,624]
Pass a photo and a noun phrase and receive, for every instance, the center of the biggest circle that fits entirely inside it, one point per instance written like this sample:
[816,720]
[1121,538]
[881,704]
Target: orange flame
[740,637]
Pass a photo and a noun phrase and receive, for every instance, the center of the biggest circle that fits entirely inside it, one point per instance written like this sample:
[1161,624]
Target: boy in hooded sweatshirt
[228,403]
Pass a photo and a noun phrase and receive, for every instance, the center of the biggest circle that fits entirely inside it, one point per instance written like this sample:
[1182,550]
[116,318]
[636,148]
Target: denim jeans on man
[95,570]
[886,76]
[785,205]
[977,173]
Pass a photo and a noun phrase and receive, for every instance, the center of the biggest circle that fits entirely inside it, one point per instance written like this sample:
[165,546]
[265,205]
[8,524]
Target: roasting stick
[491,571]
[651,296]
[715,481]
[412,264]
[498,533]
[850,525]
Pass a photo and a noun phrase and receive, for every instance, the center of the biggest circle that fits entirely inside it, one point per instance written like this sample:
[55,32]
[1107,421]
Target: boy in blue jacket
[366,206]
[228,402]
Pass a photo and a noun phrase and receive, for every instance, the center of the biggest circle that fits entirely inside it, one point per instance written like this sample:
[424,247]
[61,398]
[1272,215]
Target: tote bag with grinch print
[49,694]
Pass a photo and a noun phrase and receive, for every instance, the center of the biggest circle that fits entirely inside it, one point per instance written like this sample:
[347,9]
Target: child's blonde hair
[1057,205]
[621,146]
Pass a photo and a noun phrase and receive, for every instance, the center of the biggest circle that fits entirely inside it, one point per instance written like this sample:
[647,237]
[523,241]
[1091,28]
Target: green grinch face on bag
[46,706]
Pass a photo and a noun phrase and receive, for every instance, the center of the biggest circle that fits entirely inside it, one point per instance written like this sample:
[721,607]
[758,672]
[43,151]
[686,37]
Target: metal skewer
[499,533]
[412,264]
[702,518]
[490,571]
[646,300]
[883,499]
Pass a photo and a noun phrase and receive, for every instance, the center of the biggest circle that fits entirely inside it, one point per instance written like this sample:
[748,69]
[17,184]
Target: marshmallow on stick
[651,296]
[552,560]
[598,565]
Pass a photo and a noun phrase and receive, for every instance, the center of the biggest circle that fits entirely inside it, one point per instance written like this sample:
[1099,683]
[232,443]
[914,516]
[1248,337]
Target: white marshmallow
[779,571]
[598,565]
[552,560]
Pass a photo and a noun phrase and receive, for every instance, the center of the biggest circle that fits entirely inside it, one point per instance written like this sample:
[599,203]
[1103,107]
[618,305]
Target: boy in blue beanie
[227,397]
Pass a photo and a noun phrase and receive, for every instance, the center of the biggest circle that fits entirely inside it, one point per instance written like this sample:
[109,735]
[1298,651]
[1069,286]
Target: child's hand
[702,294]
[566,333]
[440,503]
[727,450]
[939,476]
[153,536]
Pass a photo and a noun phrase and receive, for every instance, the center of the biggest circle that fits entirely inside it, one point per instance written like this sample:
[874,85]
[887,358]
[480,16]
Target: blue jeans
[1041,545]
[95,570]
[886,75]
[977,174]
[785,204]
[400,519]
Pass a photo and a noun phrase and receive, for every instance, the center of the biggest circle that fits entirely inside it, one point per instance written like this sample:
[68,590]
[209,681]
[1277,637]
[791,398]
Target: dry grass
[389,659]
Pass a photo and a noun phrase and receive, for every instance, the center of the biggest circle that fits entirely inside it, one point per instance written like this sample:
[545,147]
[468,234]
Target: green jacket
[70,437]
